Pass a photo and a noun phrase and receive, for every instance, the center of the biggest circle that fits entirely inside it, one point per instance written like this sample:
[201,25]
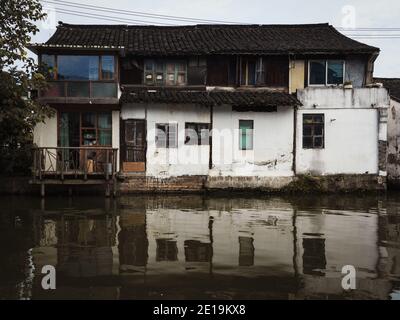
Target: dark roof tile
[209,39]
[393,85]
[257,99]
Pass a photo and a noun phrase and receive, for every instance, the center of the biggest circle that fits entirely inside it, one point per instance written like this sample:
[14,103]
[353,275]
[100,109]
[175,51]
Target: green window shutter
[246,134]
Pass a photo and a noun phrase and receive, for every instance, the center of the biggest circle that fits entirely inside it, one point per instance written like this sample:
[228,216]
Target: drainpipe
[210,160]
[294,139]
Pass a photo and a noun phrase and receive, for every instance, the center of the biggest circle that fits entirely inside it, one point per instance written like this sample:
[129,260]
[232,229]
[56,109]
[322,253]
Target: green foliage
[18,76]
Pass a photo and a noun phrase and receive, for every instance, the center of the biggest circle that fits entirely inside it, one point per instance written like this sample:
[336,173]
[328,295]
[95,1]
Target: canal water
[198,247]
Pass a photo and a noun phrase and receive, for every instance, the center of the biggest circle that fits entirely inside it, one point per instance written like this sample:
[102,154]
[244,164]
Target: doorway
[133,145]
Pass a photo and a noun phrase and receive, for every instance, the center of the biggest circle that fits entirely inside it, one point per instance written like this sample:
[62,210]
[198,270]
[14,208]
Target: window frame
[241,134]
[154,72]
[198,132]
[99,58]
[326,61]
[168,127]
[247,60]
[96,129]
[313,135]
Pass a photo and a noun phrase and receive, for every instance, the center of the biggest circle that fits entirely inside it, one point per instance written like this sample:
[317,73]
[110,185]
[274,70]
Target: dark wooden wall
[213,71]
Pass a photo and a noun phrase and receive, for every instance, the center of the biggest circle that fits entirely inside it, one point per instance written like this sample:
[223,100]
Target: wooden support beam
[42,190]
[108,190]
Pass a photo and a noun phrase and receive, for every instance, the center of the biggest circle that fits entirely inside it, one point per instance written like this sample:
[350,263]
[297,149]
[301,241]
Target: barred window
[197,133]
[313,131]
[167,135]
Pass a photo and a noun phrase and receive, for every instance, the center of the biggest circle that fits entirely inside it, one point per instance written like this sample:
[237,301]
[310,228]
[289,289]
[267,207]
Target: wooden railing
[82,162]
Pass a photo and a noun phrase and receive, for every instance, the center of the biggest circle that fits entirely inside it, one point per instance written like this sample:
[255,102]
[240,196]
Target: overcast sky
[367,14]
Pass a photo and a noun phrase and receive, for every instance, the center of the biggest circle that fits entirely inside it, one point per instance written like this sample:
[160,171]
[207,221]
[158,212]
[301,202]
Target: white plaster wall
[170,162]
[353,126]
[45,133]
[272,153]
[333,98]
[351,143]
[393,165]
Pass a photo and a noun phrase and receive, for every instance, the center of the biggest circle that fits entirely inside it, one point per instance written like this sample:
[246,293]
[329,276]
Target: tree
[19,75]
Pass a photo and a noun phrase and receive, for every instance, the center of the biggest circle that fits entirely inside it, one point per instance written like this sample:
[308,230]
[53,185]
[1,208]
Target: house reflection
[314,260]
[246,251]
[167,250]
[84,246]
[183,247]
[132,240]
[197,251]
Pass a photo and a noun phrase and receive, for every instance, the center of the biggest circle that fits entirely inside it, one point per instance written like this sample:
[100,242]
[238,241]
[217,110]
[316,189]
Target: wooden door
[133,145]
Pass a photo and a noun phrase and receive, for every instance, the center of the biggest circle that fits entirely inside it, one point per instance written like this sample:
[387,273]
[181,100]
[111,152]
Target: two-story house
[211,106]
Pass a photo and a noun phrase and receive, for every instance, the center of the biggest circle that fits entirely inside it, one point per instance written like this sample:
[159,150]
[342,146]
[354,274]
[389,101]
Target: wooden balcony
[75,166]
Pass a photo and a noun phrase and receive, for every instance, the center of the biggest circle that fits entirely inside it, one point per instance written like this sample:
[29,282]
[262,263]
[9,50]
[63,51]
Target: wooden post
[40,164]
[114,187]
[42,189]
[107,189]
[34,164]
[107,162]
[85,164]
[62,164]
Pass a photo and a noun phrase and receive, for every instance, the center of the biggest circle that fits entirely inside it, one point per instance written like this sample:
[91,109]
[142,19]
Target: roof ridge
[201,25]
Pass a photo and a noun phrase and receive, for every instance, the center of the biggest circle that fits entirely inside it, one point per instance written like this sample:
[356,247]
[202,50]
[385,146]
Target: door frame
[123,146]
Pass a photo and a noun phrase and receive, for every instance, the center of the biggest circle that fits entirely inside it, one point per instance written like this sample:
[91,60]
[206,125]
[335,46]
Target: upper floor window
[170,73]
[326,72]
[79,67]
[248,72]
[252,71]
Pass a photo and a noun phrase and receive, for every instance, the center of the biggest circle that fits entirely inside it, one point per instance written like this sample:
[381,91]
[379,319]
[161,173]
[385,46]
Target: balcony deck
[75,166]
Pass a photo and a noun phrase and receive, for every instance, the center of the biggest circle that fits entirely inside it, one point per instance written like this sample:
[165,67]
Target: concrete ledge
[137,184]
[250,183]
[192,184]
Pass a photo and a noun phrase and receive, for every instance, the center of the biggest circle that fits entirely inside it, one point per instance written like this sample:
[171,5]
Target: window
[85,129]
[248,72]
[197,133]
[335,72]
[326,72]
[166,135]
[170,73]
[246,134]
[260,71]
[79,67]
[107,67]
[48,66]
[313,131]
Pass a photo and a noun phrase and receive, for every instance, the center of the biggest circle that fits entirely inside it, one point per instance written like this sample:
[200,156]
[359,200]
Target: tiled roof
[208,39]
[393,84]
[256,99]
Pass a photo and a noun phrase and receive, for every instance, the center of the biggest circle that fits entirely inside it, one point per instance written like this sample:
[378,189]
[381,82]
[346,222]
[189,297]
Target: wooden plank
[133,166]
[70,182]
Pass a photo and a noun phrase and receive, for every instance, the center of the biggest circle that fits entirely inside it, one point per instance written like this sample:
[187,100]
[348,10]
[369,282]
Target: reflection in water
[314,256]
[199,247]
[167,250]
[246,251]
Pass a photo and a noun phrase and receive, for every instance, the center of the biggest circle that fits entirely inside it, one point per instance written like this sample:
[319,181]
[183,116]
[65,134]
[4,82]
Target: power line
[101,17]
[367,29]
[136,13]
